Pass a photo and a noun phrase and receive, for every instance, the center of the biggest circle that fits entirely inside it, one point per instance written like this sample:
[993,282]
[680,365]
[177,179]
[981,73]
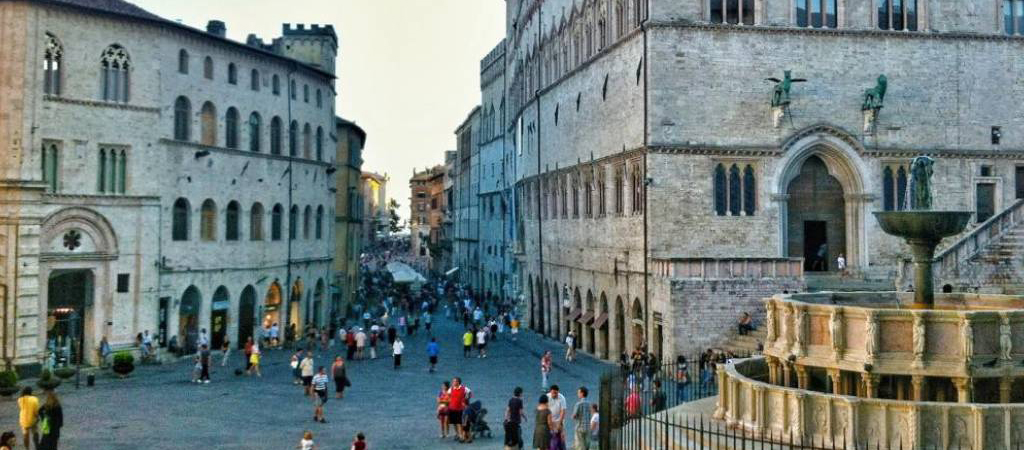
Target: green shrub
[47,381]
[8,378]
[123,357]
[64,372]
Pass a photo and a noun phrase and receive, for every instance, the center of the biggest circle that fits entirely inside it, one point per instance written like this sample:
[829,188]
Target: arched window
[293,223]
[275,136]
[307,217]
[275,222]
[721,188]
[293,91]
[588,196]
[901,188]
[232,73]
[256,222]
[305,93]
[50,162]
[307,141]
[749,191]
[618,193]
[254,80]
[275,84]
[319,143]
[52,61]
[182,119]
[112,168]
[208,68]
[602,204]
[231,128]
[182,61]
[255,130]
[208,221]
[888,191]
[735,190]
[319,99]
[208,123]
[320,222]
[180,219]
[638,189]
[575,196]
[231,222]
[293,138]
[115,66]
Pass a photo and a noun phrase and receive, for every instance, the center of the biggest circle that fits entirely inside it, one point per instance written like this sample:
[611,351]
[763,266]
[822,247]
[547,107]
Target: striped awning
[601,320]
[586,318]
[574,314]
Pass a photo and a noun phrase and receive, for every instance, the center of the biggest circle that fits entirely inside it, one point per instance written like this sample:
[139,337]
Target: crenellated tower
[316,45]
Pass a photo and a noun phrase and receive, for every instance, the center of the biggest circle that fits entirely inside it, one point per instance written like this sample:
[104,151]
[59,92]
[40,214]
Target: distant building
[426,206]
[376,218]
[466,250]
[348,219]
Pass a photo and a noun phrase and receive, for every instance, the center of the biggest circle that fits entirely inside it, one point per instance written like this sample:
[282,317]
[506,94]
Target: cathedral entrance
[816,219]
[69,309]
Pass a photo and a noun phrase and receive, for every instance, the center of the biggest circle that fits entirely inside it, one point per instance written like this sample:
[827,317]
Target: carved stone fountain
[922,228]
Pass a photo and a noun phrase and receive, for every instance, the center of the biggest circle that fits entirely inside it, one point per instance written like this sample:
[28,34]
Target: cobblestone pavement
[158,408]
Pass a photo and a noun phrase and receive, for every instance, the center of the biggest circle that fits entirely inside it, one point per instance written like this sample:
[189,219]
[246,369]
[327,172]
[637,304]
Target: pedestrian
[841,265]
[396,351]
[275,332]
[595,423]
[514,324]
[324,338]
[481,343]
[350,344]
[204,339]
[570,346]
[458,399]
[494,330]
[427,319]
[402,325]
[359,443]
[296,371]
[374,339]
[682,379]
[197,369]
[392,334]
[340,377]
[248,352]
[360,343]
[319,383]
[51,419]
[467,343]
[514,418]
[225,348]
[254,361]
[104,351]
[307,442]
[8,440]
[306,366]
[204,364]
[433,349]
[658,397]
[545,369]
[581,420]
[542,429]
[557,405]
[28,415]
[443,399]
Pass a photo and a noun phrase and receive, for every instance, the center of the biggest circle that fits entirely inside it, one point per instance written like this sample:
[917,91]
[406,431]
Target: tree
[396,222]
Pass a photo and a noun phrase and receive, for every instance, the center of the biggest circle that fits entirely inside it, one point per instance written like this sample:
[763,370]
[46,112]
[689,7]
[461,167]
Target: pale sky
[408,70]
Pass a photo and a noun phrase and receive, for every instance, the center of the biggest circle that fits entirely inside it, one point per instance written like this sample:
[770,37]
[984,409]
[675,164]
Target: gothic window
[320,222]
[275,222]
[602,204]
[638,12]
[275,85]
[602,35]
[208,221]
[293,91]
[620,18]
[588,196]
[275,136]
[894,187]
[255,125]
[1013,17]
[111,171]
[254,80]
[575,196]
[564,193]
[293,138]
[182,119]
[208,68]
[52,63]
[618,193]
[817,13]
[319,98]
[180,220]
[897,14]
[231,222]
[231,128]
[307,141]
[50,164]
[305,93]
[115,66]
[256,222]
[319,143]
[293,223]
[232,73]
[638,189]
[307,217]
[208,124]
[182,61]
[736,12]
[735,190]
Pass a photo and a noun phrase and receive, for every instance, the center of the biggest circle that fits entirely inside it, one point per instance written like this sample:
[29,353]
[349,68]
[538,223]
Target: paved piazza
[158,408]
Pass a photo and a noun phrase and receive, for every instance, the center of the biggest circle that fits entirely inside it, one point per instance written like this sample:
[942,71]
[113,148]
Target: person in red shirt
[458,399]
[633,403]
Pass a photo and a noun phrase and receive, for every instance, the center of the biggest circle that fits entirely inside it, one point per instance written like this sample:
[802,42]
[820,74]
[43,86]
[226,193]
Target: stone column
[917,383]
[870,385]
[801,376]
[963,389]
[787,374]
[1005,384]
[724,395]
[836,376]
[773,369]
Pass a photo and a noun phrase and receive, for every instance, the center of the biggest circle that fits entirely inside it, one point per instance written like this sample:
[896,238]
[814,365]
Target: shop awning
[574,314]
[600,320]
[586,318]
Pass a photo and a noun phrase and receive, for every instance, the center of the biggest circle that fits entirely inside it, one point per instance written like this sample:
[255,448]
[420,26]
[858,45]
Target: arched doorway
[188,319]
[219,308]
[545,308]
[816,219]
[589,329]
[573,319]
[69,311]
[318,301]
[294,307]
[533,304]
[601,323]
[272,306]
[620,326]
[638,325]
[246,315]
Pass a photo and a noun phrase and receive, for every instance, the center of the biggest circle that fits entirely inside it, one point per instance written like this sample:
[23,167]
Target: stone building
[664,185]
[426,206]
[159,177]
[466,229]
[493,203]
[375,205]
[348,209]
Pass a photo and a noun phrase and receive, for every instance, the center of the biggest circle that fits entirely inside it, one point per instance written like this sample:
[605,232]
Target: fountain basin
[923,225]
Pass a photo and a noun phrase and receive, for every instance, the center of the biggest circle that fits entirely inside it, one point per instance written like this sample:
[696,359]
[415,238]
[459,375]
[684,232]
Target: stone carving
[921,183]
[967,340]
[875,97]
[780,95]
[821,418]
[799,329]
[835,326]
[958,433]
[994,432]
[870,335]
[919,339]
[770,321]
[1005,339]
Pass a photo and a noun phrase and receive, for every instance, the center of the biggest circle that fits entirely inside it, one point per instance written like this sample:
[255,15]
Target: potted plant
[64,372]
[8,383]
[46,380]
[123,363]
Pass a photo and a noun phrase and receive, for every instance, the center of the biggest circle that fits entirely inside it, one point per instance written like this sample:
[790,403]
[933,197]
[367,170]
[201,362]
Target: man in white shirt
[397,349]
[557,405]
[481,343]
[570,346]
[360,343]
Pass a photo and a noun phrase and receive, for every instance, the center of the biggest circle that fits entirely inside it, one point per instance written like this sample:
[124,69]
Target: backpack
[44,425]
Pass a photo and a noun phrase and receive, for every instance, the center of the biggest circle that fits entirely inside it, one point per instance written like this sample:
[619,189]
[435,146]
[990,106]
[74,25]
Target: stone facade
[348,209]
[466,177]
[426,217]
[667,131]
[375,205]
[137,160]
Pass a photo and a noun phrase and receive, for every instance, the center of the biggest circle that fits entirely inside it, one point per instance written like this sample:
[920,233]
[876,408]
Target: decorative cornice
[101,104]
[767,29]
[237,152]
[749,151]
[100,199]
[827,129]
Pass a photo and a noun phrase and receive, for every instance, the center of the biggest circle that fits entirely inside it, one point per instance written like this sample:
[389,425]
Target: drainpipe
[647,299]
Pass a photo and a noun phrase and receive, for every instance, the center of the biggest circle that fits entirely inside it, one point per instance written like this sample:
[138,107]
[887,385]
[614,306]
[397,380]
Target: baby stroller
[476,420]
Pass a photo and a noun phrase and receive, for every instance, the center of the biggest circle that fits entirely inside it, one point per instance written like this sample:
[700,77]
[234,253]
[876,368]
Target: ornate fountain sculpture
[922,228]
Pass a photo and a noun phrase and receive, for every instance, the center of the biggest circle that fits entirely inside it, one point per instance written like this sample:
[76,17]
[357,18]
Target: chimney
[216,28]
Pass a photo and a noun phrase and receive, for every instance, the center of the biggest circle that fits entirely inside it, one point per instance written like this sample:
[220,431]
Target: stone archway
[601,323]
[246,316]
[589,334]
[220,307]
[620,326]
[637,325]
[188,319]
[821,191]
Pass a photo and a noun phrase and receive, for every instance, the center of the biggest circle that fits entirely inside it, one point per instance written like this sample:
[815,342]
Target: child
[359,443]
[254,361]
[197,370]
[307,442]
